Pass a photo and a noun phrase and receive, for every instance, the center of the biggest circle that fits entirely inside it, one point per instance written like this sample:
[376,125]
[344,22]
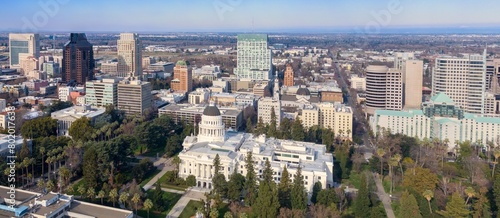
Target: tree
[136,199]
[421,180]
[39,127]
[361,206]
[316,189]
[113,195]
[250,180]
[176,161]
[123,198]
[428,195]
[470,192]
[81,129]
[298,192]
[91,193]
[496,154]
[380,154]
[285,129]
[148,204]
[298,133]
[235,186]
[261,128]
[455,208]
[65,175]
[284,188]
[249,125]
[219,180]
[41,150]
[272,131]
[409,206]
[50,185]
[267,203]
[191,180]
[82,190]
[90,167]
[25,151]
[101,194]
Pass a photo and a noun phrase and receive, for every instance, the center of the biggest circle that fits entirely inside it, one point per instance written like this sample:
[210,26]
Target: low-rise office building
[66,117]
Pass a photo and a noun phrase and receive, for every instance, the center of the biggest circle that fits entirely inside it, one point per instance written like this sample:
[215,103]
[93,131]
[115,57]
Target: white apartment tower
[254,57]
[129,55]
[24,45]
[384,88]
[463,79]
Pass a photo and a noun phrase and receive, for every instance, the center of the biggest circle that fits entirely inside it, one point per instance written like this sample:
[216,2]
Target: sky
[369,16]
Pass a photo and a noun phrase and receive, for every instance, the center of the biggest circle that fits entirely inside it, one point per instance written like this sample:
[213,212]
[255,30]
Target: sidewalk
[191,194]
[384,197]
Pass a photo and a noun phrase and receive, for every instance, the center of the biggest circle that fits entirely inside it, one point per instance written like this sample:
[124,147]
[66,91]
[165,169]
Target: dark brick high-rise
[78,60]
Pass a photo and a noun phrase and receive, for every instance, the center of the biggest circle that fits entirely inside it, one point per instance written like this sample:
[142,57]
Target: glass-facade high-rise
[28,44]
[254,57]
[78,59]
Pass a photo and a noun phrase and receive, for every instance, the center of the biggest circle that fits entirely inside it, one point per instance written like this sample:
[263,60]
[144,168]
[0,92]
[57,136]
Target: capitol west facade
[232,147]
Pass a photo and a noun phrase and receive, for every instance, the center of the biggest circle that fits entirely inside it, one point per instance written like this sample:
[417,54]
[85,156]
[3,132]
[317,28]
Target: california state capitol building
[232,147]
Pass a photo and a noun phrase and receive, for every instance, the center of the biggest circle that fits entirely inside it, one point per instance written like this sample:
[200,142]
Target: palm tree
[428,194]
[41,184]
[176,161]
[26,164]
[113,195]
[136,200]
[42,152]
[496,154]
[82,190]
[33,162]
[393,162]
[65,175]
[123,198]
[148,204]
[381,153]
[50,185]
[470,192]
[48,161]
[101,195]
[91,193]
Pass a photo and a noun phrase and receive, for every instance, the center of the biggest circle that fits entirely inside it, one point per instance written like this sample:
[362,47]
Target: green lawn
[170,200]
[163,182]
[192,207]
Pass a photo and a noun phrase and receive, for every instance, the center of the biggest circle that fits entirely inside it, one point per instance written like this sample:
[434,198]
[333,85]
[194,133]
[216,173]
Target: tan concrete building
[413,80]
[260,88]
[27,63]
[183,78]
[289,76]
[134,96]
[336,117]
[129,55]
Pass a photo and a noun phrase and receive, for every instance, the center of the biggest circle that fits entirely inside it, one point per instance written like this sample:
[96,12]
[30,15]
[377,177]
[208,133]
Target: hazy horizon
[316,16]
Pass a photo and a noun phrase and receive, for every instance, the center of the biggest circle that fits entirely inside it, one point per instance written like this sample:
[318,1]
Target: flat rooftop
[98,211]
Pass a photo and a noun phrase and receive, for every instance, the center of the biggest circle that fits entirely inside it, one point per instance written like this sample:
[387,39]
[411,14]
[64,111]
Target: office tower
[413,75]
[493,76]
[27,63]
[51,68]
[78,59]
[384,88]
[254,57]
[100,93]
[183,78]
[129,55]
[27,44]
[134,96]
[400,58]
[289,75]
[463,79]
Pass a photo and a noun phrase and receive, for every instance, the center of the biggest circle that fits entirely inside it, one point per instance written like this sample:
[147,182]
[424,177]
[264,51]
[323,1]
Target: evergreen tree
[267,204]
[235,186]
[249,125]
[409,206]
[298,133]
[261,128]
[250,181]
[284,189]
[327,197]
[90,167]
[455,208]
[219,180]
[361,206]
[298,192]
[272,130]
[25,151]
[496,188]
[81,129]
[328,138]
[316,189]
[285,129]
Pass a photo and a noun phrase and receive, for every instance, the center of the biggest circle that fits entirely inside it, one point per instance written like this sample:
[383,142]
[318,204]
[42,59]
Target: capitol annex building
[232,147]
